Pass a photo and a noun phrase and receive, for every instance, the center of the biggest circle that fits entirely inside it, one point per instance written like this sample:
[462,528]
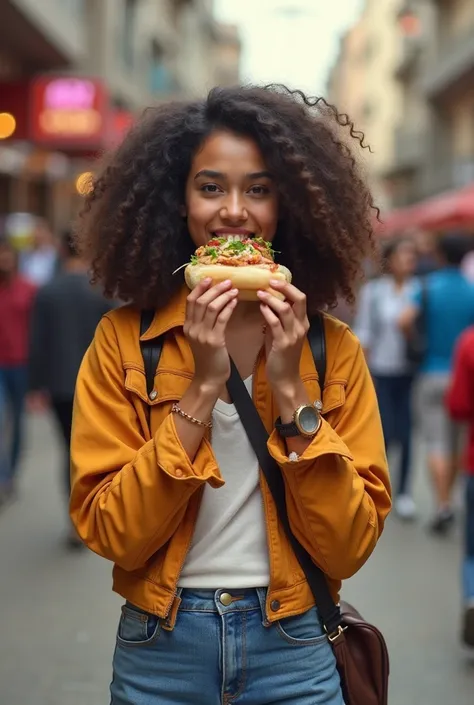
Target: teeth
[232,237]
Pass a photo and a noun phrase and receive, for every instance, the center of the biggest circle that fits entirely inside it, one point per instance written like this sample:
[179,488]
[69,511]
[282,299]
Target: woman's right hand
[208,312]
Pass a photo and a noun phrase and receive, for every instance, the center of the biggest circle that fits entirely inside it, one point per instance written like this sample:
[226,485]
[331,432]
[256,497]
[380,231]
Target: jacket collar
[171,316]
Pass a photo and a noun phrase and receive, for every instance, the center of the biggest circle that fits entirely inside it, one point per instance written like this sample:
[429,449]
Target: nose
[233,208]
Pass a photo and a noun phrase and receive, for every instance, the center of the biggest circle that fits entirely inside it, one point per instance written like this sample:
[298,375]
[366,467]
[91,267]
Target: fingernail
[275,282]
[234,291]
[261,294]
[207,280]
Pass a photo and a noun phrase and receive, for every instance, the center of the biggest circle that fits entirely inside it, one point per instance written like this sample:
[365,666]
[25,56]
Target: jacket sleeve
[128,495]
[338,492]
[460,396]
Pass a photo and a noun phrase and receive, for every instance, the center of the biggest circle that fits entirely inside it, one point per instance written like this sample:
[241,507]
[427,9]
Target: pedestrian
[460,402]
[16,301]
[446,300]
[380,304]
[66,313]
[40,263]
[217,607]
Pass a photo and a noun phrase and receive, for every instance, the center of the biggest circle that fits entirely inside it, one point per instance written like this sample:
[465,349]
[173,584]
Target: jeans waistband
[220,601]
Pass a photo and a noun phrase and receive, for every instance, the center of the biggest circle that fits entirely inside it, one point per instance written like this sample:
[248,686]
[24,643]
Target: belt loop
[262,598]
[170,622]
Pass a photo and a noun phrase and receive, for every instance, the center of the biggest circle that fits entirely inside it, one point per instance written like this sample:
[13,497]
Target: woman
[218,610]
[382,302]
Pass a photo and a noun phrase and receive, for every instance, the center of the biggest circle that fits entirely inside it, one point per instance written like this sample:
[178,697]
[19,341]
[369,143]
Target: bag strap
[317,342]
[258,437]
[151,350]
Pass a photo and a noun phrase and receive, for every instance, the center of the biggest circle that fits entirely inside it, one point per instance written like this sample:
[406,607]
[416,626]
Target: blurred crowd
[414,317]
[48,315]
[415,320]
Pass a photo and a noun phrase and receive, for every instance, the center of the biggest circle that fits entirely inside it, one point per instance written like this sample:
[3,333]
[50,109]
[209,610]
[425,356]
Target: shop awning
[452,209]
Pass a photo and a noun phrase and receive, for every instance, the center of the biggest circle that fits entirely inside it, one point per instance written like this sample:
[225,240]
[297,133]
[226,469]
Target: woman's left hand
[287,327]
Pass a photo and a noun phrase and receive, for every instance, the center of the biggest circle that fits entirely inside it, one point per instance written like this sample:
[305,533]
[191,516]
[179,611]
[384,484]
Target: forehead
[223,151]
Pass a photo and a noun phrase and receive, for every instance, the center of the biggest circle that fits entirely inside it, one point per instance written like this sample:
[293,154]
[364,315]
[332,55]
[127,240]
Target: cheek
[268,216]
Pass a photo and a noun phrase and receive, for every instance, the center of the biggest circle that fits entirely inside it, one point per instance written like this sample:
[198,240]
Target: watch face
[307,420]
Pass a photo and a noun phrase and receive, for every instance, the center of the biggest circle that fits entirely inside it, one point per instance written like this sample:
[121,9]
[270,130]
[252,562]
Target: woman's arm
[338,492]
[129,496]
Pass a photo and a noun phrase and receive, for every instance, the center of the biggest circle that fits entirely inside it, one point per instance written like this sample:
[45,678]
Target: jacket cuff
[325,442]
[175,462]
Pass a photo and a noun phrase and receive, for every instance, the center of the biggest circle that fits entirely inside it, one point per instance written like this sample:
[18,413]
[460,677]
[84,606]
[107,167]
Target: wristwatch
[306,422]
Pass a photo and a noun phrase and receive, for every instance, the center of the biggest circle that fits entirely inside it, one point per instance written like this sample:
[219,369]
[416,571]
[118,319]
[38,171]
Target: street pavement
[59,615]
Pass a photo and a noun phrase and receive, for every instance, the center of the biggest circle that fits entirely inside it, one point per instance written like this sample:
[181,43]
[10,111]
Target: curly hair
[132,229]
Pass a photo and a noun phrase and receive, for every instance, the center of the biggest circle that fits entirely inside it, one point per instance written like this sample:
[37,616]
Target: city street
[59,616]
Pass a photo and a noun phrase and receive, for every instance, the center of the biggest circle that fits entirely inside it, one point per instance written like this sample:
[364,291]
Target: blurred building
[432,176]
[75,73]
[362,83]
[405,75]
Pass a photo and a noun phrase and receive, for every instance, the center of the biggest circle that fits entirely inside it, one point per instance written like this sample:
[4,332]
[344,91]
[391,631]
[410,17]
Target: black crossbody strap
[258,437]
[151,350]
[317,341]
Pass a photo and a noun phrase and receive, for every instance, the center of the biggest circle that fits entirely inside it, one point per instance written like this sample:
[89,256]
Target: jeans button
[275,605]
[225,599]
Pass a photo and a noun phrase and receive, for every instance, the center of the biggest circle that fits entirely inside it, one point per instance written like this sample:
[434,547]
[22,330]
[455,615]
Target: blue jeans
[14,382]
[394,398]
[468,566]
[223,654]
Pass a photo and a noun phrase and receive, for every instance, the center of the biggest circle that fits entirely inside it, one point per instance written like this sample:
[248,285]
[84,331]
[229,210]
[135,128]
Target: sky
[289,41]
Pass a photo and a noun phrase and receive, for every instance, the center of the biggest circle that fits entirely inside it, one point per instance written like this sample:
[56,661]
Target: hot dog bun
[248,278]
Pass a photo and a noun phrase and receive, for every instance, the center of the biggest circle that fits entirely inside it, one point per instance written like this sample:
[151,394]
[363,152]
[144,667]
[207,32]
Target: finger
[292,294]
[215,307]
[282,309]
[197,292]
[201,304]
[223,318]
[272,321]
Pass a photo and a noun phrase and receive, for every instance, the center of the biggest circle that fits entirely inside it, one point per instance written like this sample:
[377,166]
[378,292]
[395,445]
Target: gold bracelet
[178,410]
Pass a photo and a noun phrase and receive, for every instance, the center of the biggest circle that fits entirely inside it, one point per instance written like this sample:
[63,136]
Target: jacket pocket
[169,386]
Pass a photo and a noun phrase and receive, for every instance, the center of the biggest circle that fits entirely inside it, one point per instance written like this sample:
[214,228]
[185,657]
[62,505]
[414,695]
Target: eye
[210,188]
[259,190]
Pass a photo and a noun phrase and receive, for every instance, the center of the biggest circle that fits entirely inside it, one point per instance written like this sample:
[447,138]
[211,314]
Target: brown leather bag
[360,649]
[362,660]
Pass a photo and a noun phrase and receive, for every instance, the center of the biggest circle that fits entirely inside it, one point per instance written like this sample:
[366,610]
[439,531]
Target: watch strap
[286,430]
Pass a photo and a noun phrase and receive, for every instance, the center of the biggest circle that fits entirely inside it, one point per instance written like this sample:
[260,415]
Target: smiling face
[229,191]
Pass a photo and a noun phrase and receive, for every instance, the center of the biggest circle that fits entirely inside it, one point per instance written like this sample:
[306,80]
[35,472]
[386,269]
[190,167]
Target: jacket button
[178,472]
[275,605]
[153,395]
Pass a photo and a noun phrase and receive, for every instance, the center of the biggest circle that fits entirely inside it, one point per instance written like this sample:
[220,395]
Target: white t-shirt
[229,547]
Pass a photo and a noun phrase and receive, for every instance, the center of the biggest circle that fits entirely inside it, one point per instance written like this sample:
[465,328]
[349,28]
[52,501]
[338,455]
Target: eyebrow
[219,175]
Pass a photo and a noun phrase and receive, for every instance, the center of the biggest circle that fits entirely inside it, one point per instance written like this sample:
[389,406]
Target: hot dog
[248,263]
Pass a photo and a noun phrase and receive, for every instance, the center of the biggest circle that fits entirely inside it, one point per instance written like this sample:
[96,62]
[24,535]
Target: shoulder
[339,336]
[123,321]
